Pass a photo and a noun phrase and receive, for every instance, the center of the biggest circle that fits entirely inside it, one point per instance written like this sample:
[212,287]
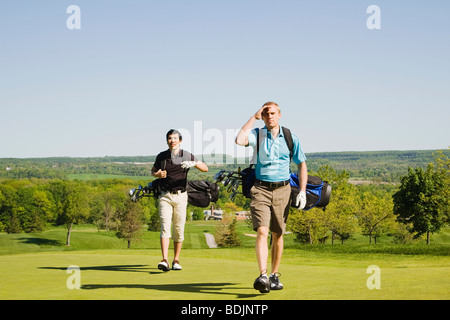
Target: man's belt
[271,185]
[175,191]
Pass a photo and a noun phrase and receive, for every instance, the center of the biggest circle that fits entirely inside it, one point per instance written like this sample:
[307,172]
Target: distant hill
[386,166]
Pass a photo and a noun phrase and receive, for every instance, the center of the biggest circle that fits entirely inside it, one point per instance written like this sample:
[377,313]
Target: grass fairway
[39,269]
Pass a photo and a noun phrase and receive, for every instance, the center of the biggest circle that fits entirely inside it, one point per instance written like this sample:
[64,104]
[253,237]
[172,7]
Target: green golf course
[35,266]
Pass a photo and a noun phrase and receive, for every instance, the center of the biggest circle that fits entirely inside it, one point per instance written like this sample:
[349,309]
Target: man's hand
[160,174]
[258,113]
[242,137]
[301,200]
[188,164]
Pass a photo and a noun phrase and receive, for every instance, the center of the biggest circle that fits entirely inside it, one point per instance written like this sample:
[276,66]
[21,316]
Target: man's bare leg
[276,251]
[262,250]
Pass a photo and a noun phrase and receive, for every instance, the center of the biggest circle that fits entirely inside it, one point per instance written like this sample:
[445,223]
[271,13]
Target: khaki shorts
[172,206]
[270,207]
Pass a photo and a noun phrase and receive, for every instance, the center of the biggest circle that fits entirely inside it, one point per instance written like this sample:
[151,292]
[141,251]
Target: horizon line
[228,155]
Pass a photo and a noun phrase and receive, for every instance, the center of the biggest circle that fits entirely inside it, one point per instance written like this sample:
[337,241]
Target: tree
[57,191]
[75,206]
[105,207]
[442,168]
[422,199]
[38,210]
[154,220]
[226,235]
[131,222]
[342,207]
[2,201]
[24,206]
[197,213]
[309,226]
[375,215]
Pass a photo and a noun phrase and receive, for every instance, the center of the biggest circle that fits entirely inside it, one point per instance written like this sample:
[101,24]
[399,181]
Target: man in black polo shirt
[172,167]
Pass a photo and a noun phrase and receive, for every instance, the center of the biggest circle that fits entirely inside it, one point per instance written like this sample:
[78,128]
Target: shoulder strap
[257,141]
[254,160]
[163,164]
[288,137]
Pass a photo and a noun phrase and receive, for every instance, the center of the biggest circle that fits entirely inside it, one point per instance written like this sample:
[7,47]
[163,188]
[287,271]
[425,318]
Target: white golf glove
[301,200]
[188,164]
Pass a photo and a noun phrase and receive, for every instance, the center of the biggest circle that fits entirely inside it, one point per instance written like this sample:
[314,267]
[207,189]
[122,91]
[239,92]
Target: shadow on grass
[222,288]
[205,288]
[121,267]
[41,241]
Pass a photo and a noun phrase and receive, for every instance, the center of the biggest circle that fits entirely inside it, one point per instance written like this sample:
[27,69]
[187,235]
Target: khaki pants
[270,207]
[172,206]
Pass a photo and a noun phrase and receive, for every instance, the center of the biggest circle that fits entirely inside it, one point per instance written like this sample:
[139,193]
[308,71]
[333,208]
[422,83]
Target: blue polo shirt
[273,159]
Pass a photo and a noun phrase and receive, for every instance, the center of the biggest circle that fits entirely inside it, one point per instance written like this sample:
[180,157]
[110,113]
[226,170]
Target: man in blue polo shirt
[270,196]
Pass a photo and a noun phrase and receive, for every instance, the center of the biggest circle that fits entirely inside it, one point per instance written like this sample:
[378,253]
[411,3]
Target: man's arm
[302,175]
[156,169]
[201,166]
[158,173]
[193,162]
[242,137]
[302,179]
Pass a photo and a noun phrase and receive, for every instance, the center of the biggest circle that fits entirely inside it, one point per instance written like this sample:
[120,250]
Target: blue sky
[136,69]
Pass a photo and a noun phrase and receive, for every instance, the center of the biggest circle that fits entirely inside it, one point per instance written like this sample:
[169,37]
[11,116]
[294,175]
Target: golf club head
[227,181]
[230,185]
[236,184]
[218,177]
[131,192]
[134,195]
[233,195]
[148,188]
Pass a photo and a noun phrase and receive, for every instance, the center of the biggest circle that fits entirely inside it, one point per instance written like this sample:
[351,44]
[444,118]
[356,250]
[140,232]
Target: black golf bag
[201,193]
[248,178]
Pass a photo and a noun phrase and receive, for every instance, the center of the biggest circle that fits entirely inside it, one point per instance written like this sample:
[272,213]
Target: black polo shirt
[176,176]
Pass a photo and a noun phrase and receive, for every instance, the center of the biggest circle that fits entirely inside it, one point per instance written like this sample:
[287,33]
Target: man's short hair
[269,104]
[173,131]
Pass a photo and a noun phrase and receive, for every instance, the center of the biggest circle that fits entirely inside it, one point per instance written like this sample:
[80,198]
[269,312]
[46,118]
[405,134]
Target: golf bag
[152,189]
[318,192]
[248,178]
[201,193]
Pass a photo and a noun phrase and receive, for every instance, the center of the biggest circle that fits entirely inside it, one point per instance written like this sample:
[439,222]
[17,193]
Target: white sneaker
[164,265]
[176,265]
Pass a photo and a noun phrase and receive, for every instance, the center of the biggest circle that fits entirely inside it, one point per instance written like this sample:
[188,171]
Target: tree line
[32,205]
[419,206]
[385,166]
